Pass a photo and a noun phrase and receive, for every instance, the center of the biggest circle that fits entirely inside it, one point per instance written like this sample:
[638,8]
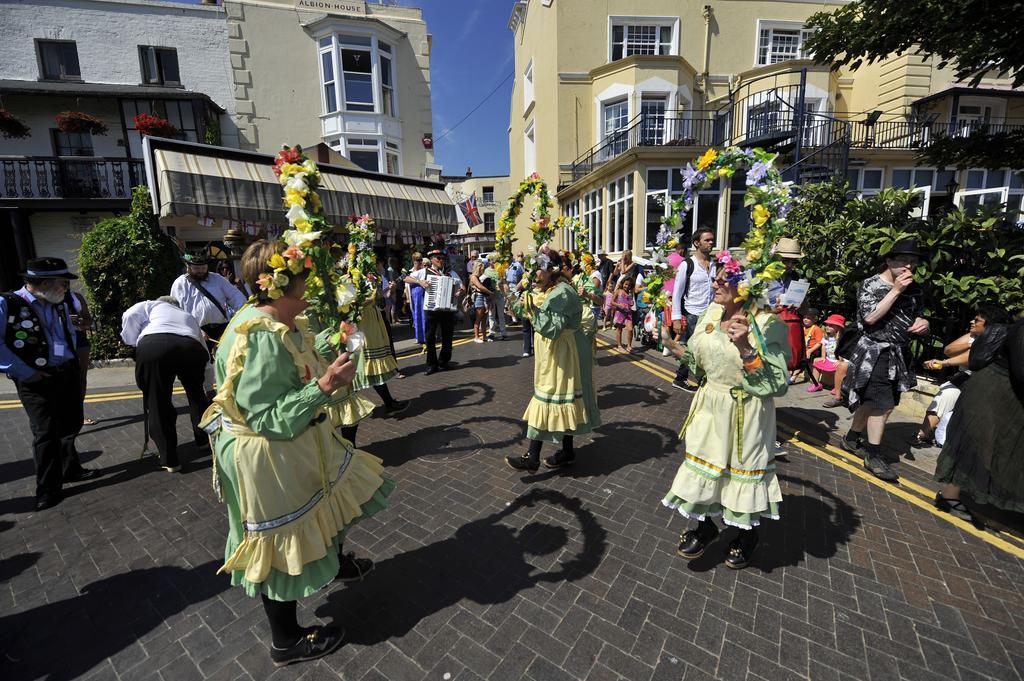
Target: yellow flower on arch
[761,215]
[707,159]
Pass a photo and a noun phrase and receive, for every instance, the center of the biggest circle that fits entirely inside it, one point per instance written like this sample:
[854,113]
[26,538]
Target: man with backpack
[692,294]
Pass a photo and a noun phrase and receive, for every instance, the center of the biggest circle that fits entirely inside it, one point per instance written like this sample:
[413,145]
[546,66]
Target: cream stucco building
[491,193]
[350,73]
[609,105]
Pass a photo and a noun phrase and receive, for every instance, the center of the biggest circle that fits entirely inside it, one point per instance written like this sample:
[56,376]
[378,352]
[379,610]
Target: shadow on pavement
[616,445]
[485,562]
[814,524]
[65,639]
[464,395]
[628,394]
[459,440]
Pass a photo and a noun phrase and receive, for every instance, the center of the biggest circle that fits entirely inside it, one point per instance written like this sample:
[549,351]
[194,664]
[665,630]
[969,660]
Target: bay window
[357,73]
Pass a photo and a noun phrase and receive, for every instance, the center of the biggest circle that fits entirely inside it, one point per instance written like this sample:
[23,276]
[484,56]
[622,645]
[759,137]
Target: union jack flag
[470,212]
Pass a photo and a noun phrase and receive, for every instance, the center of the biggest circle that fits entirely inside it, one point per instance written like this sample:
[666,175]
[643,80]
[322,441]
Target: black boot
[566,456]
[530,461]
[693,542]
[740,550]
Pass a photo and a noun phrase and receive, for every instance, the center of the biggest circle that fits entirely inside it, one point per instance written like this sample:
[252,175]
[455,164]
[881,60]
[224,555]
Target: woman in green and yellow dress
[564,402]
[376,362]
[588,287]
[728,467]
[292,486]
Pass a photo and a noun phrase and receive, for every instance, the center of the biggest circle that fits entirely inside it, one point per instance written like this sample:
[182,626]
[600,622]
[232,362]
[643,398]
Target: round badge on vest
[27,324]
[31,340]
[40,361]
[19,343]
[23,313]
[21,335]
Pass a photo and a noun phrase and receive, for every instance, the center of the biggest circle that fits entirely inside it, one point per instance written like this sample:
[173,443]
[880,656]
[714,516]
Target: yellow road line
[917,495]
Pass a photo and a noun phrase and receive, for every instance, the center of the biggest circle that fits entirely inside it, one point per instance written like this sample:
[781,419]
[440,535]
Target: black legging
[349,433]
[385,394]
[284,626]
[567,447]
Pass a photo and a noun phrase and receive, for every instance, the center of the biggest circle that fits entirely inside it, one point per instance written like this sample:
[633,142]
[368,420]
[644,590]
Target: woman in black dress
[984,450]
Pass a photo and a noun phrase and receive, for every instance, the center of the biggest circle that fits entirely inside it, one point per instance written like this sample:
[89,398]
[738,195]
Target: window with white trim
[330,87]
[652,117]
[487,194]
[641,35]
[392,158]
[528,86]
[778,42]
[980,187]
[615,117]
[593,209]
[620,214]
[664,185]
[365,153]
[529,149]
[159,65]
[572,210]
[357,73]
[387,80]
[865,181]
[488,222]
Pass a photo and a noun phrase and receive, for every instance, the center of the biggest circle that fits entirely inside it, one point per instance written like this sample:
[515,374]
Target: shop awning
[217,182]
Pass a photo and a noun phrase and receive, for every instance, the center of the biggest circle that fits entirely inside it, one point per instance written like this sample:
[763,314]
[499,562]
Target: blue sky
[472,54]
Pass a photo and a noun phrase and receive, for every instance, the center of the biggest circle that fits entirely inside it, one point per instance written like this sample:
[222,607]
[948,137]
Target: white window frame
[606,134]
[388,54]
[1003,192]
[660,129]
[771,26]
[337,44]
[392,148]
[324,83]
[488,229]
[528,86]
[863,191]
[362,143]
[593,220]
[922,210]
[530,148]
[620,233]
[628,22]
[572,210]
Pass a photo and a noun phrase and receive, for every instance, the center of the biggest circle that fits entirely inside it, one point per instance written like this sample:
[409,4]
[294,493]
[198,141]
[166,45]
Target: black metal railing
[42,177]
[909,134]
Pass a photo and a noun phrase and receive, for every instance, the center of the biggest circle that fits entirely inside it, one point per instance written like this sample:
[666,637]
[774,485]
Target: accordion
[440,295]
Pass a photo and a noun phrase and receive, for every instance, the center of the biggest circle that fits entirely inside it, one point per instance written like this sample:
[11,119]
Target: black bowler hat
[905,247]
[47,268]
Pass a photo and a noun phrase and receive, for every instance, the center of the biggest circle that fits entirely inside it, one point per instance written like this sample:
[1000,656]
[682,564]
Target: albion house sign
[352,7]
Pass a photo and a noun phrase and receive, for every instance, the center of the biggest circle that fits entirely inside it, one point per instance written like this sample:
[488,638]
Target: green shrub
[971,259]
[124,260]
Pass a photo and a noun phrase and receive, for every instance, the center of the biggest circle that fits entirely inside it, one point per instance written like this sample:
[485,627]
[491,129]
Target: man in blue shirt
[38,354]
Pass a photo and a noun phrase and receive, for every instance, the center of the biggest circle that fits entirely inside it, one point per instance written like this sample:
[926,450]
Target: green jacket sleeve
[560,311]
[276,404]
[772,378]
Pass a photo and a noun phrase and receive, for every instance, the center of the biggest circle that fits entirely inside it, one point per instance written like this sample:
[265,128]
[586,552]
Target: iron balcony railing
[903,134]
[43,177]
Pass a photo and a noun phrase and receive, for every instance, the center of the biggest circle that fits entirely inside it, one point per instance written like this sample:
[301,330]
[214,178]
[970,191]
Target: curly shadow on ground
[614,446]
[629,394]
[468,436]
[816,523]
[88,630]
[486,562]
[464,395]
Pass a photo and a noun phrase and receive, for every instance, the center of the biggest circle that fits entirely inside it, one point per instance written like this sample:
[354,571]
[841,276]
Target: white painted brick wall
[108,34]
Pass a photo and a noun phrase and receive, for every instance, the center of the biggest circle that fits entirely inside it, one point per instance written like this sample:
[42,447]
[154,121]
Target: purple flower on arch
[757,173]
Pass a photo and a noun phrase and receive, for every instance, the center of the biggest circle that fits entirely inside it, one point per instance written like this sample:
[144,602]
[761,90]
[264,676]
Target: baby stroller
[645,325]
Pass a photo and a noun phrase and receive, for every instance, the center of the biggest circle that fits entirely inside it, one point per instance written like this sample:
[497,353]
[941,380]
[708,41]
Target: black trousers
[160,358]
[54,408]
[445,321]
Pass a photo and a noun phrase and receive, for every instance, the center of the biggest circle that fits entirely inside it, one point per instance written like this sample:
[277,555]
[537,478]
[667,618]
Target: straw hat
[788,248]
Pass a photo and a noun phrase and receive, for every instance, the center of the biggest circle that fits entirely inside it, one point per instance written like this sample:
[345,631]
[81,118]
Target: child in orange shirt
[813,335]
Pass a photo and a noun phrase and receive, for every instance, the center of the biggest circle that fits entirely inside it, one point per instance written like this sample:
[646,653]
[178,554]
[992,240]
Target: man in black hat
[207,296]
[443,319]
[889,305]
[38,354]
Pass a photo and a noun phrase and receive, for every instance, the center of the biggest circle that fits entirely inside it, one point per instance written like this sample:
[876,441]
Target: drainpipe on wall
[707,12]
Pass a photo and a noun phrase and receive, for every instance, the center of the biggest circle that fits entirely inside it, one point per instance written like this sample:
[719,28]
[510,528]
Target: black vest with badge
[24,332]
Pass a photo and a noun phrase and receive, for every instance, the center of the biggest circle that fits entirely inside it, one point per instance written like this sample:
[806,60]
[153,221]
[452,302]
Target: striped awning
[216,182]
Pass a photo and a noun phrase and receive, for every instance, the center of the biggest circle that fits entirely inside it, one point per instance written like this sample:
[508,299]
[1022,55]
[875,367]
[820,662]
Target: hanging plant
[154,126]
[78,122]
[11,127]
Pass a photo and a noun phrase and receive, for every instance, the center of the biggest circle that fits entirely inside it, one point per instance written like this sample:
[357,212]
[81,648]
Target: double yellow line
[910,491]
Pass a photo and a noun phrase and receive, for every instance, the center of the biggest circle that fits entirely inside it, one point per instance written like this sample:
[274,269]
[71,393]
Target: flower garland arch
[769,200]
[541,225]
[340,282]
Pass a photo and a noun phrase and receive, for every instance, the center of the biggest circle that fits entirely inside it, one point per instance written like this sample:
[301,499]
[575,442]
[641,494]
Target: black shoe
[854,447]
[396,407]
[523,463]
[559,460]
[954,507]
[431,370]
[318,642]
[352,569]
[82,474]
[45,501]
[880,469]
[679,385]
[919,442]
[689,387]
[740,550]
[447,366]
[693,542]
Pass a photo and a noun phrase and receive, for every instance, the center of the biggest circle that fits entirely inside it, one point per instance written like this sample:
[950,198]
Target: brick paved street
[482,573]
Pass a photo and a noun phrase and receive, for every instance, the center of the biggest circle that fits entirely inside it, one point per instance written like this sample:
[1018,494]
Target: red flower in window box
[154,126]
[11,126]
[76,121]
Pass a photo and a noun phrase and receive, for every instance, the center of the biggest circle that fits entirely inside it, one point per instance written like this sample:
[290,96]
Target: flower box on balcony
[11,127]
[154,126]
[78,122]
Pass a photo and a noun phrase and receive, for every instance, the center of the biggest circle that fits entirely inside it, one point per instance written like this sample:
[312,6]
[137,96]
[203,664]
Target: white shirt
[156,316]
[199,306]
[700,294]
